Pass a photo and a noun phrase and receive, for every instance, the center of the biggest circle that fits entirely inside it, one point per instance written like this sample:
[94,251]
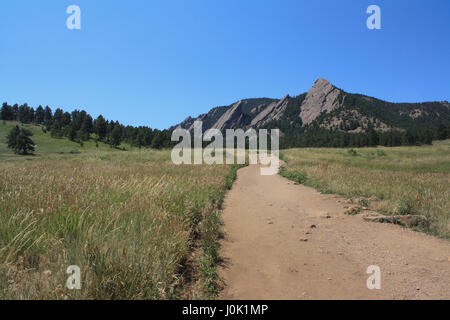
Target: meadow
[138,226]
[400,181]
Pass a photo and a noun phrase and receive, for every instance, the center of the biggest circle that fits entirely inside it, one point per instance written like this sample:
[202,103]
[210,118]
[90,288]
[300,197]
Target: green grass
[296,176]
[406,180]
[210,242]
[46,146]
[138,226]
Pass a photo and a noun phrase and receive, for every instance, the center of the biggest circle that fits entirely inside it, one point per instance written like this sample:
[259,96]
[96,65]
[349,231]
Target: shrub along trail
[287,241]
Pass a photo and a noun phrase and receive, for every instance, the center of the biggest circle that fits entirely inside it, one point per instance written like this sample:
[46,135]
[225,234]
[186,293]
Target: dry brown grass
[138,226]
[406,180]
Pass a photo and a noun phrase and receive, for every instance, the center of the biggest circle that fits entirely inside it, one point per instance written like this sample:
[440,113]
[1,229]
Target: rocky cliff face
[273,111]
[322,97]
[255,113]
[233,116]
[240,115]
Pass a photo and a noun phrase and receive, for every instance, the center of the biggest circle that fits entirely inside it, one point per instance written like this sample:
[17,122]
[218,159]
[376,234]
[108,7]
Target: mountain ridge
[326,107]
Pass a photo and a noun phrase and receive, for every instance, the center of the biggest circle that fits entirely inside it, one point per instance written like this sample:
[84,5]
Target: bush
[405,207]
[381,153]
[298,177]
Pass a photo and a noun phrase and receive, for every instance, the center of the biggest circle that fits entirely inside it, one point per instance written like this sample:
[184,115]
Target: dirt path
[267,219]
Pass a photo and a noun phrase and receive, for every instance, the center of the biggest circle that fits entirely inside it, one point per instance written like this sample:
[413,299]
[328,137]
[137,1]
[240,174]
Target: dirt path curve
[267,219]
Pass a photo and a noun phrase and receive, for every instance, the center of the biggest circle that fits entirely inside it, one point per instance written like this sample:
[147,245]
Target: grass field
[405,180]
[138,226]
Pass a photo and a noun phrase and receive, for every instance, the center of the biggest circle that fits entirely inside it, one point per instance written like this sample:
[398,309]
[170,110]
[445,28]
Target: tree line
[320,137]
[79,126]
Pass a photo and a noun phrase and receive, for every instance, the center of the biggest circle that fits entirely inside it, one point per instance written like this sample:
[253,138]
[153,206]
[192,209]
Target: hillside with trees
[79,126]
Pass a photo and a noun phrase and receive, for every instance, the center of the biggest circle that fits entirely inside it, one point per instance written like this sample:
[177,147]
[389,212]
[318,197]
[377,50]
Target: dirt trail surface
[280,244]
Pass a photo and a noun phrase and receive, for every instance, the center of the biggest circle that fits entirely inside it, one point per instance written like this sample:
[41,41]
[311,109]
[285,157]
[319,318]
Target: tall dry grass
[138,226]
[406,180]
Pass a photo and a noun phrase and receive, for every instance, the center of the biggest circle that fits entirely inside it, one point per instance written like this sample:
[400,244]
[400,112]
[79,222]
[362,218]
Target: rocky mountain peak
[321,82]
[323,96]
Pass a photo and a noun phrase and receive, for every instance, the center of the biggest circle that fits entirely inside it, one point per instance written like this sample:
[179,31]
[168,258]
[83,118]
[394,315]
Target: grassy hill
[48,146]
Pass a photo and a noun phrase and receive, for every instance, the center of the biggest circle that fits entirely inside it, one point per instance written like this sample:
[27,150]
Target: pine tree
[86,128]
[100,127]
[15,111]
[6,112]
[47,115]
[71,133]
[442,132]
[12,136]
[19,140]
[116,136]
[24,143]
[39,115]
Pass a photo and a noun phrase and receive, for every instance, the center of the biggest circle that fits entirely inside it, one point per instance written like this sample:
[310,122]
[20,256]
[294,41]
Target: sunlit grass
[138,226]
[413,180]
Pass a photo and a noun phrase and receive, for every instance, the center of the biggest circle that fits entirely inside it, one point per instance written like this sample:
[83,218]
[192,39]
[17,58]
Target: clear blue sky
[154,63]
